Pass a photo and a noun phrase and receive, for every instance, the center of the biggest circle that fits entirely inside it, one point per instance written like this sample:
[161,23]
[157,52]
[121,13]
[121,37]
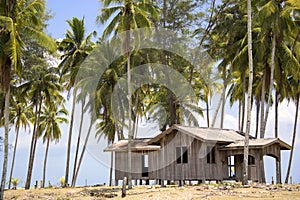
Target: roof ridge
[202,127]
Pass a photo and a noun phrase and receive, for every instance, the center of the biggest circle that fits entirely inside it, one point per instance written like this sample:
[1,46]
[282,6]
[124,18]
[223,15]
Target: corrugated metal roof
[235,138]
[203,134]
[261,142]
[137,144]
[211,134]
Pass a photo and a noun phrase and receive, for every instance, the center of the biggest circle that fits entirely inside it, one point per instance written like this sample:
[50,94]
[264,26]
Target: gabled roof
[230,138]
[203,134]
[136,145]
[259,143]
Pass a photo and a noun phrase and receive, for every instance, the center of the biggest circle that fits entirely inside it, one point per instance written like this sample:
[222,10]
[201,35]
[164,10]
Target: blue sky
[63,10]
[95,164]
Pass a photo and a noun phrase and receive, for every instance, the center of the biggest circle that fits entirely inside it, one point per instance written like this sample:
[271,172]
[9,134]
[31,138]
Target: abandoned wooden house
[194,154]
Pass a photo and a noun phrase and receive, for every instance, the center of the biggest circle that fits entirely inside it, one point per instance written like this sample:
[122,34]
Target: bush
[62,181]
[15,182]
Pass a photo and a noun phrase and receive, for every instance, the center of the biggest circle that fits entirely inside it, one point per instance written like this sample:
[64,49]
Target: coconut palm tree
[76,46]
[91,108]
[107,129]
[21,113]
[250,58]
[16,17]
[42,87]
[49,128]
[127,15]
[297,99]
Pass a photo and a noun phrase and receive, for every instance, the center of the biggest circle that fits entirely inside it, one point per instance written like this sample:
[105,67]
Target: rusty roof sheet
[137,144]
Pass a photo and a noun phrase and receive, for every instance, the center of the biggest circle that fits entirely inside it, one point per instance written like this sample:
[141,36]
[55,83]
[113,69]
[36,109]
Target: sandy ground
[156,192]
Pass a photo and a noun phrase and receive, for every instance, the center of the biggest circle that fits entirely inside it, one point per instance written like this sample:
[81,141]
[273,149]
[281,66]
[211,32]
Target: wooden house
[184,153]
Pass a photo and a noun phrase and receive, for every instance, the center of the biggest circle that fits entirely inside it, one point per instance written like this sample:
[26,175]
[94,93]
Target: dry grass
[148,192]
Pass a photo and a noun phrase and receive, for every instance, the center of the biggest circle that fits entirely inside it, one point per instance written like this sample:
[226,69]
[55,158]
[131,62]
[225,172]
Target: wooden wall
[162,163]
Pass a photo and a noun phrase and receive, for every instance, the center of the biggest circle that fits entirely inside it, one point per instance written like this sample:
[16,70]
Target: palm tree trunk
[70,138]
[207,112]
[278,162]
[250,58]
[276,114]
[136,126]
[13,158]
[27,185]
[244,104]
[223,100]
[257,118]
[129,121]
[136,118]
[239,115]
[271,84]
[293,140]
[45,163]
[33,142]
[265,119]
[6,130]
[83,150]
[262,107]
[223,111]
[218,106]
[111,168]
[78,143]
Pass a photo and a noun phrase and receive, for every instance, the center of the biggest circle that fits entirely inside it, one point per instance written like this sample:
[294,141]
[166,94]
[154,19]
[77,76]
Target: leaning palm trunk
[78,143]
[70,138]
[13,158]
[33,142]
[263,125]
[83,150]
[265,119]
[250,58]
[293,140]
[218,106]
[27,185]
[45,163]
[207,111]
[6,130]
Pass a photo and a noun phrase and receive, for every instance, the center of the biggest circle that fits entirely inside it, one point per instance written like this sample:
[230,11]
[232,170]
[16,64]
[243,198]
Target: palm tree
[49,128]
[42,87]
[21,114]
[246,147]
[294,89]
[127,15]
[282,27]
[297,99]
[17,17]
[107,128]
[76,47]
[91,106]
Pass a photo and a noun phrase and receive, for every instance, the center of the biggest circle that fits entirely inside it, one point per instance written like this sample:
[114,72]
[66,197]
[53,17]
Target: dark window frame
[211,155]
[145,166]
[178,155]
[251,160]
[182,155]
